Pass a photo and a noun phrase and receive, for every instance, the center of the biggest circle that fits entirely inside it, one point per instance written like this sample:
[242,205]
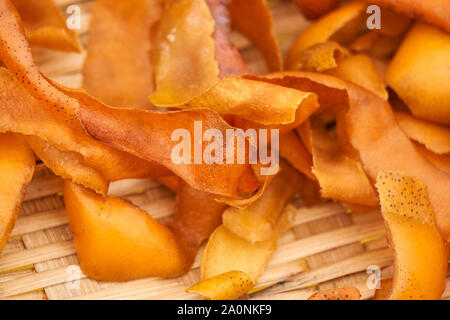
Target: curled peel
[421,257]
[259,102]
[22,113]
[135,130]
[424,48]
[184,60]
[437,14]
[227,286]
[340,177]
[260,220]
[45,25]
[325,28]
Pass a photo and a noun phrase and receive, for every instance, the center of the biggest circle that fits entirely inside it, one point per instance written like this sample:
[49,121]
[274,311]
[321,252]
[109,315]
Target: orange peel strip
[253,19]
[437,14]
[323,30]
[374,133]
[347,293]
[117,241]
[420,71]
[421,257]
[434,137]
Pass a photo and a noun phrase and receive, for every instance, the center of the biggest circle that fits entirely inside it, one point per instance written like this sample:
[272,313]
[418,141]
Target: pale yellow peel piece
[227,286]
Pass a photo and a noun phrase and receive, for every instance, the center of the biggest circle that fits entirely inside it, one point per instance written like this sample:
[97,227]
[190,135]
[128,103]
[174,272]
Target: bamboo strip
[36,281]
[352,265]
[326,241]
[39,254]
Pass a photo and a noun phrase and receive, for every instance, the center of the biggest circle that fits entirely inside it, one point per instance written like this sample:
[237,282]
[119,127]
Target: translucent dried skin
[16,170]
[45,25]
[324,29]
[247,257]
[347,293]
[360,70]
[374,132]
[135,130]
[21,113]
[420,72]
[340,177]
[227,286]
[256,101]
[321,57]
[434,137]
[117,241]
[184,60]
[314,9]
[227,55]
[421,257]
[198,214]
[260,221]
[118,77]
[253,19]
[68,165]
[293,150]
[438,13]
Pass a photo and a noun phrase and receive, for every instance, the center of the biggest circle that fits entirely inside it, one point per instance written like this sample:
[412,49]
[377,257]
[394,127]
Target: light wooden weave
[327,247]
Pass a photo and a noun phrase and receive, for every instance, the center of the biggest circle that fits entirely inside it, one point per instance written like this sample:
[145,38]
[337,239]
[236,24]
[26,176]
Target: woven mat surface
[326,247]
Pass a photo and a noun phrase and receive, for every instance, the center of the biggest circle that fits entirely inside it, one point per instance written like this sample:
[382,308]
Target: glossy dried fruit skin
[22,113]
[17,164]
[121,77]
[117,241]
[347,293]
[421,257]
[226,286]
[420,73]
[184,60]
[45,25]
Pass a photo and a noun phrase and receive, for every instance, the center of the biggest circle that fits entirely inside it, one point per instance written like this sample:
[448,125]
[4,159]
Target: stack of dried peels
[359,116]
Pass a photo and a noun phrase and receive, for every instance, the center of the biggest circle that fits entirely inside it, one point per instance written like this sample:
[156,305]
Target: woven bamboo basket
[326,247]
